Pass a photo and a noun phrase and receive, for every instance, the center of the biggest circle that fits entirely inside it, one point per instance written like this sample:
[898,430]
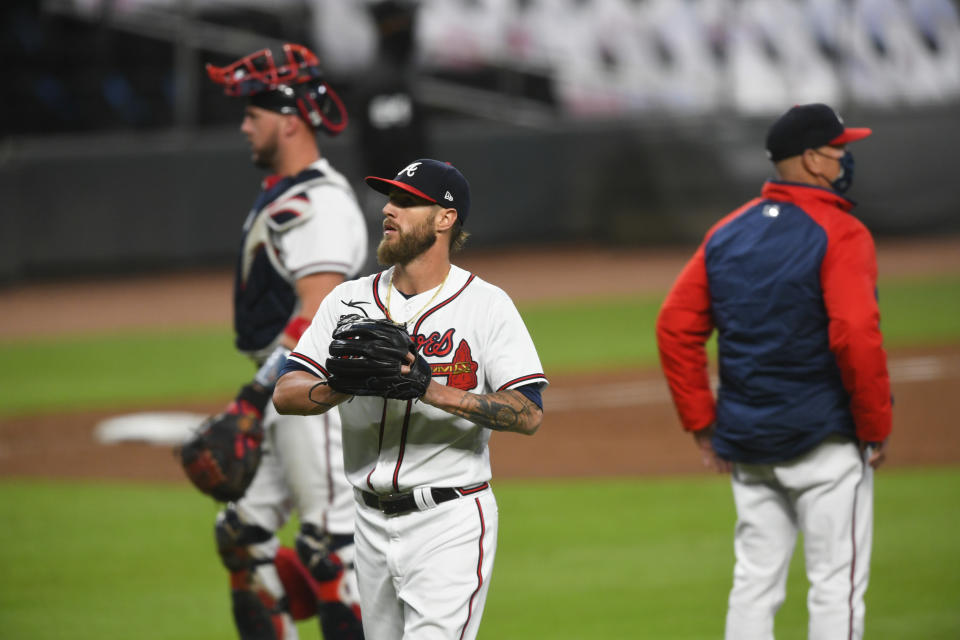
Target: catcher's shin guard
[255,620]
[258,600]
[329,559]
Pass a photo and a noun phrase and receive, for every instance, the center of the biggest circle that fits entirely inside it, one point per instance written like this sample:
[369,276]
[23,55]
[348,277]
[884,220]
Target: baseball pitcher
[424,361]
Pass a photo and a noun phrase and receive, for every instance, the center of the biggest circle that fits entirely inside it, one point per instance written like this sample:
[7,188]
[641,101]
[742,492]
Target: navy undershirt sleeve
[291,365]
[532,391]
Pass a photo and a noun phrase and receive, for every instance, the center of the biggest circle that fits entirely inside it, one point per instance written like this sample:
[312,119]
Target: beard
[406,245]
[263,157]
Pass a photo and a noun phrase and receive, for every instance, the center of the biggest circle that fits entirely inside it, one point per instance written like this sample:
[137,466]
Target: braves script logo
[434,344]
[461,372]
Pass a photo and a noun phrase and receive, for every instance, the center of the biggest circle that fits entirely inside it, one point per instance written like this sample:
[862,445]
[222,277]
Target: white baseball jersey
[473,337]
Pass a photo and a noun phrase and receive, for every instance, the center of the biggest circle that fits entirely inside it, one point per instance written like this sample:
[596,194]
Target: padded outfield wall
[124,202]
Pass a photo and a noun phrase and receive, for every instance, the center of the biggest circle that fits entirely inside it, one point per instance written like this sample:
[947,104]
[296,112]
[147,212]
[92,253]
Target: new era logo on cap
[433,180]
[808,126]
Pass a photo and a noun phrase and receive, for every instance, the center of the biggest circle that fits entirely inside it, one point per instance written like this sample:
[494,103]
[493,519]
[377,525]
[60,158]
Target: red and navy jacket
[789,282]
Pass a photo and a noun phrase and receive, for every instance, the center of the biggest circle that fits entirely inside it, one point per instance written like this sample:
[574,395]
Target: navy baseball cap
[438,182]
[808,126]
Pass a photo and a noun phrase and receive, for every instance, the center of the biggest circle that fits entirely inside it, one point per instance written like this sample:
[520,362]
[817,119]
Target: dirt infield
[602,424]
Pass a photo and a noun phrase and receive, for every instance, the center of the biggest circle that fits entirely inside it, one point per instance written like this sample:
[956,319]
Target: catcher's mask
[289,81]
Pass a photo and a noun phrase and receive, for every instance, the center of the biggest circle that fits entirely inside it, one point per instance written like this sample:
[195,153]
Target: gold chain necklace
[424,307]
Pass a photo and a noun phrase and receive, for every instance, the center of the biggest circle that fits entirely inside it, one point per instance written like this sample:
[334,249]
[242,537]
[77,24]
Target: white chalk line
[646,392]
[167,428]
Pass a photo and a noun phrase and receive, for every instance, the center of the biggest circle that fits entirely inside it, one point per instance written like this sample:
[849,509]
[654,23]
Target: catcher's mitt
[365,359]
[222,457]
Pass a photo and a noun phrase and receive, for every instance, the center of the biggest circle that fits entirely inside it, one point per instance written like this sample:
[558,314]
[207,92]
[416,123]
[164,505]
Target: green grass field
[135,367]
[636,557]
[646,558]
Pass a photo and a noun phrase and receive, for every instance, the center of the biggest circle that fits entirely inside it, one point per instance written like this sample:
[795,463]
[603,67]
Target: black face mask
[845,179]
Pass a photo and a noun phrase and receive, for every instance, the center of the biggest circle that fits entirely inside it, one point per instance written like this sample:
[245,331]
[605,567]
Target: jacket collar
[799,192]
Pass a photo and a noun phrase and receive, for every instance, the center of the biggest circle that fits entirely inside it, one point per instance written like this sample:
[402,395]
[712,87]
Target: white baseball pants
[302,469]
[828,495]
[424,575]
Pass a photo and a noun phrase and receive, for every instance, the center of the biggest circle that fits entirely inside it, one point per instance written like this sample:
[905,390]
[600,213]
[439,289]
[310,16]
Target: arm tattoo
[326,406]
[502,411]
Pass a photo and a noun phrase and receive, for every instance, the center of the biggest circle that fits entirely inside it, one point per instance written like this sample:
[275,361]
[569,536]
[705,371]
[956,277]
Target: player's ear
[446,218]
[810,161]
[291,125]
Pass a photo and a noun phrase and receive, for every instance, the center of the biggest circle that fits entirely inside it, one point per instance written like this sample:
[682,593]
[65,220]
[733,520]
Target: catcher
[304,235]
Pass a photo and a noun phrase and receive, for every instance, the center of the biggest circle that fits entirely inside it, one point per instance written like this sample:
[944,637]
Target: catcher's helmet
[289,81]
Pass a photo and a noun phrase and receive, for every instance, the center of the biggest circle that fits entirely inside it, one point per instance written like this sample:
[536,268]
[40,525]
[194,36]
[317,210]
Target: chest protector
[264,296]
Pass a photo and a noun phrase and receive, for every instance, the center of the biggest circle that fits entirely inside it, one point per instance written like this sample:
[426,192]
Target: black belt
[399,503]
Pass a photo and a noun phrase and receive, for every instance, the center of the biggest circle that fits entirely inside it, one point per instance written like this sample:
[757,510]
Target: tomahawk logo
[410,169]
[462,372]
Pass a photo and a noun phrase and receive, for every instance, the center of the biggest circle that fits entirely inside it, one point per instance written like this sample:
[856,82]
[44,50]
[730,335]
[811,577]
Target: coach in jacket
[803,409]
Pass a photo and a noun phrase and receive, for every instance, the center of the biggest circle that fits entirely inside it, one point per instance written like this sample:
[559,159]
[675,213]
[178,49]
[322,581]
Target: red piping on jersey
[416,328]
[406,416]
[376,296]
[310,361]
[532,376]
[383,421]
[403,445]
[483,530]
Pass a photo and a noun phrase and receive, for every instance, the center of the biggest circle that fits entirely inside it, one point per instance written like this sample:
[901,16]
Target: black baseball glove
[365,359]
[222,456]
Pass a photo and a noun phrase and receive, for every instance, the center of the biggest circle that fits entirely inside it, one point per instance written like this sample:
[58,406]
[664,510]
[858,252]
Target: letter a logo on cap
[410,169]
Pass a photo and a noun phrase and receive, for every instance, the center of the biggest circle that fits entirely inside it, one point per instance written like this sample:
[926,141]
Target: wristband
[270,370]
[296,327]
